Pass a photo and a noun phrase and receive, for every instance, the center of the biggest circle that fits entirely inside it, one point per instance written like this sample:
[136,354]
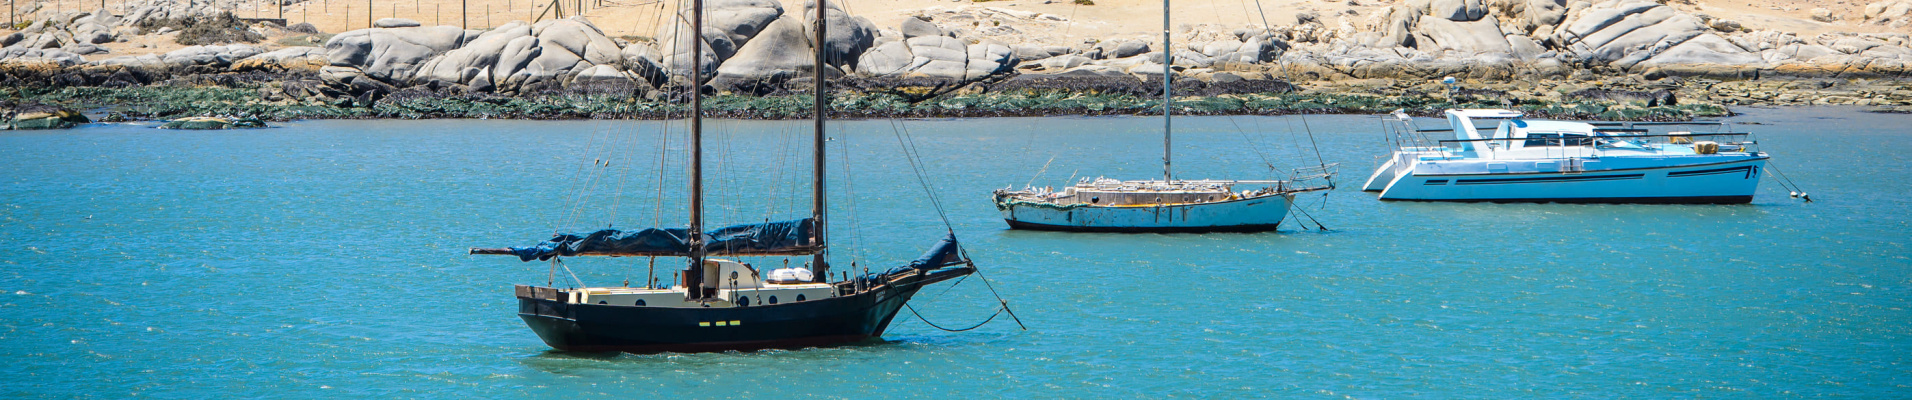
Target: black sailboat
[725,304]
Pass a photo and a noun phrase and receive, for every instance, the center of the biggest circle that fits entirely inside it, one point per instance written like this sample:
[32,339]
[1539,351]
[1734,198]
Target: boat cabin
[1515,138]
[727,283]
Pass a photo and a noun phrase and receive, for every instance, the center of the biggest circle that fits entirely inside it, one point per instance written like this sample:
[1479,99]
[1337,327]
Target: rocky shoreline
[1624,60]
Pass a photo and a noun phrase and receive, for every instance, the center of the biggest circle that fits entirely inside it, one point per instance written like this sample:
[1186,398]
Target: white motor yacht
[1498,156]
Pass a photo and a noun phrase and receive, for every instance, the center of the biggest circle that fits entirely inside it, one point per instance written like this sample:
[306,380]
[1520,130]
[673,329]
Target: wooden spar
[818,207]
[693,274]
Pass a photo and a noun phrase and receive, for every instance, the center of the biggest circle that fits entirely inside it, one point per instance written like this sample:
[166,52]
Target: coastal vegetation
[165,102]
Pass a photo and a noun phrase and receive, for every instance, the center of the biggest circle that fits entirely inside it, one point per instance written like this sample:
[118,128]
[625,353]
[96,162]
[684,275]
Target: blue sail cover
[781,237]
[945,253]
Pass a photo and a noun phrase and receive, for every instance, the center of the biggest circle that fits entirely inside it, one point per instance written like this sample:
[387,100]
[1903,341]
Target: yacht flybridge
[1166,205]
[1498,156]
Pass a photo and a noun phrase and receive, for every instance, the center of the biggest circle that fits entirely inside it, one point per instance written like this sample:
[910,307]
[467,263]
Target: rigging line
[922,168]
[856,219]
[952,285]
[567,270]
[1265,28]
[1045,168]
[913,156]
[919,316]
[1311,217]
[1789,182]
[601,141]
[777,170]
[992,288]
[1072,16]
[1244,7]
[1296,218]
[663,162]
[584,188]
[1251,143]
[572,200]
[629,158]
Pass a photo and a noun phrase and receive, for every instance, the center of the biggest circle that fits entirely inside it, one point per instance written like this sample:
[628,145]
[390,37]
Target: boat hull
[1246,215]
[1730,182]
[825,322]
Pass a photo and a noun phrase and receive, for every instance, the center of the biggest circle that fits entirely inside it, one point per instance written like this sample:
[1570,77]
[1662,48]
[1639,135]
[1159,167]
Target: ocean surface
[327,259]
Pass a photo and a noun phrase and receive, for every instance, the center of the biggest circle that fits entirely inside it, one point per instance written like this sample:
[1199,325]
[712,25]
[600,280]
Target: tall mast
[818,182]
[694,277]
[1168,95]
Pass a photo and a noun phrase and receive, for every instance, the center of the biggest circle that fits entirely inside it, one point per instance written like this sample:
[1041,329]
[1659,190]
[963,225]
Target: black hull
[613,328]
[1014,224]
[1607,200]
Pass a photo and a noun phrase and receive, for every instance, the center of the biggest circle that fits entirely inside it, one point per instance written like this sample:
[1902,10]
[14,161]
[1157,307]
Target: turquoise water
[327,259]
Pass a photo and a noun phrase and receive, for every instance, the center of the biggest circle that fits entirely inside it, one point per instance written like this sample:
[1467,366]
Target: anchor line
[992,290]
[992,317]
[1311,218]
[1782,180]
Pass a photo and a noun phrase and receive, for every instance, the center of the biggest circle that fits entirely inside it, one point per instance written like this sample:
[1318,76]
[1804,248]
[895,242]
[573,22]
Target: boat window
[799,296]
[1558,139]
[743,301]
[1096,199]
[602,302]
[640,303]
[773,299]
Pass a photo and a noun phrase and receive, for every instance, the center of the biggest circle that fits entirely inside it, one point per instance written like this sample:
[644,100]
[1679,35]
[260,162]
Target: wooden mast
[694,276]
[818,181]
[1168,95]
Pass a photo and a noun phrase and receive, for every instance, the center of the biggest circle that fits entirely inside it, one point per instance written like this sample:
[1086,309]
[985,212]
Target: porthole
[602,302]
[1094,200]
[733,275]
[773,299]
[743,301]
[800,297]
[640,303]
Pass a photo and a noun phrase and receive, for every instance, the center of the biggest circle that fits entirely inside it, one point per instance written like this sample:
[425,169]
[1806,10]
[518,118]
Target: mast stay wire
[856,217]
[913,156]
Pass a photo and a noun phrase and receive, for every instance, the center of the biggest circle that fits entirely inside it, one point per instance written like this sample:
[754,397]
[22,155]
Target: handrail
[1599,137]
[1614,123]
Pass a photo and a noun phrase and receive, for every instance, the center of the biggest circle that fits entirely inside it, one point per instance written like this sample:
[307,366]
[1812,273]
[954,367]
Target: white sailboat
[1165,205]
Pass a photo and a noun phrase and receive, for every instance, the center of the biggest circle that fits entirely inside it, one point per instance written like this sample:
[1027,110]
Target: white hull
[1252,214]
[1729,180]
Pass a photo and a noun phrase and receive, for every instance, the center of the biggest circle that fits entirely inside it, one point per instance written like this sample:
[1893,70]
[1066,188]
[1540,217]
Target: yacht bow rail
[1590,138]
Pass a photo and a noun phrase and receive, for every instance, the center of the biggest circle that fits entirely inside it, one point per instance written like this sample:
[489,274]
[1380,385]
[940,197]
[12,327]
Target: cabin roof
[1485,113]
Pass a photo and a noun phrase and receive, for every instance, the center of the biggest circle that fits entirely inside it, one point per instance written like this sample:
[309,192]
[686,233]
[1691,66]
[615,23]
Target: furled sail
[793,237]
[945,253]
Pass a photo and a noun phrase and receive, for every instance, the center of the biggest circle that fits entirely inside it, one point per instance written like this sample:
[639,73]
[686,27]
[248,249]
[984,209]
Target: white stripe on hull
[1260,213]
[1730,182]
